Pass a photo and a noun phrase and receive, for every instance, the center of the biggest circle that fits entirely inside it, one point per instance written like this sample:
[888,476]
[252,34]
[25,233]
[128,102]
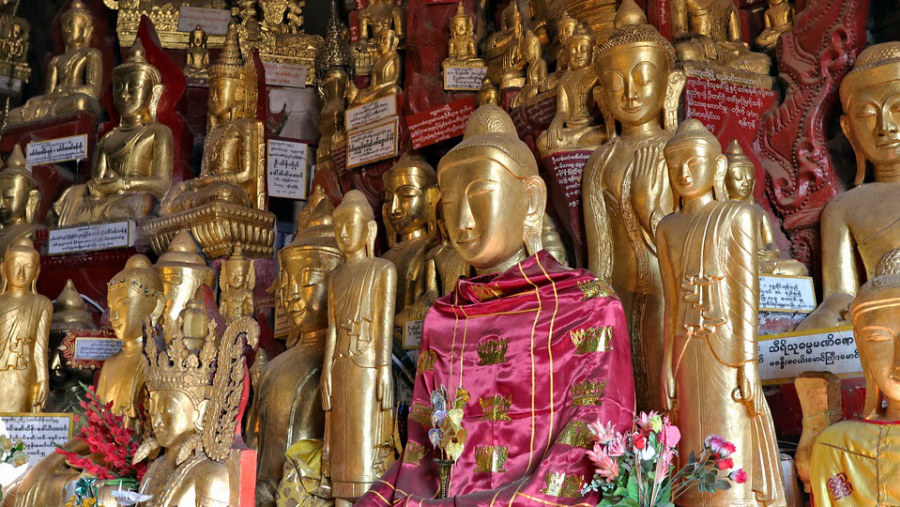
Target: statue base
[217,227]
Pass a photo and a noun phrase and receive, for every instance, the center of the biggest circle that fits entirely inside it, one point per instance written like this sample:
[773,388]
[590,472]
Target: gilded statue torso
[130,153]
[122,380]
[409,259]
[356,313]
[198,481]
[576,85]
[19,321]
[73,69]
[223,148]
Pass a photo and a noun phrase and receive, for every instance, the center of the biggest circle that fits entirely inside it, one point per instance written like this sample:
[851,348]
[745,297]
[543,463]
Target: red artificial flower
[725,464]
[727,449]
[640,441]
[739,476]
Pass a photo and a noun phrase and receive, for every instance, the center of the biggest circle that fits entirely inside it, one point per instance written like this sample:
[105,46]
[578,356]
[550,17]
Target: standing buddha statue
[74,78]
[710,31]
[133,166]
[21,199]
[625,185]
[182,270]
[710,377]
[237,281]
[197,56]
[357,388]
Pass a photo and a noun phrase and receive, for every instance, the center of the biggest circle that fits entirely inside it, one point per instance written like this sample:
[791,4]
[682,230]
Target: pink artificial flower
[725,464]
[616,446]
[640,442]
[643,421]
[714,443]
[607,467]
[671,435]
[665,464]
[598,456]
[727,449]
[602,433]
[739,476]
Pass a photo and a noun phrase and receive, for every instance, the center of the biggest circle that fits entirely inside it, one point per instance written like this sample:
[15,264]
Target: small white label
[412,333]
[372,145]
[90,238]
[786,294]
[10,84]
[213,21]
[782,357]
[371,112]
[463,78]
[56,150]
[91,348]
[286,163]
[283,74]
[40,432]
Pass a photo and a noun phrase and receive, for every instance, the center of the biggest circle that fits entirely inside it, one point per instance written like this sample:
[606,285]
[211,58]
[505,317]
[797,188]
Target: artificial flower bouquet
[636,468]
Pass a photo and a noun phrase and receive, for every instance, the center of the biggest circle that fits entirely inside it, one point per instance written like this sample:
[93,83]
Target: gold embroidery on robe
[594,289]
[425,362]
[414,452]
[495,407]
[588,392]
[421,414]
[576,434]
[591,339]
[492,351]
[563,485]
[491,458]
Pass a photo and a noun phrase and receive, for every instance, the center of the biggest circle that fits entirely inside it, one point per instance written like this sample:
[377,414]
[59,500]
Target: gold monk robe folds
[19,200]
[133,166]
[24,331]
[626,186]
[357,388]
[709,267]
[73,79]
[858,462]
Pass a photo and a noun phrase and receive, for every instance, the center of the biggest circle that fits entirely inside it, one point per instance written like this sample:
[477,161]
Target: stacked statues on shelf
[375,18]
[535,69]
[503,50]
[21,200]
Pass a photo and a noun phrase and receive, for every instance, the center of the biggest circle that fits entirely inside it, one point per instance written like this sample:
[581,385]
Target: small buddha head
[695,161]
[460,24]
[77,25]
[565,27]
[134,295]
[492,198]
[198,37]
[637,70]
[876,327]
[410,195]
[388,42]
[237,271]
[182,270]
[137,84]
[355,228]
[20,268]
[579,48]
[19,194]
[740,177]
[870,94]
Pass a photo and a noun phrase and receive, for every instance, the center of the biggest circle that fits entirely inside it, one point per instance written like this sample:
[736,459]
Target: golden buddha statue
[710,31]
[777,19]
[182,270]
[24,331]
[20,200]
[446,263]
[73,79]
[236,283]
[626,189]
[14,35]
[503,49]
[333,89]
[535,69]
[69,314]
[385,72]
[740,182]
[288,405]
[710,376]
[853,237]
[376,17]
[574,125]
[461,46]
[197,56]
[133,166]
[488,94]
[357,388]
[855,462]
[565,28]
[194,400]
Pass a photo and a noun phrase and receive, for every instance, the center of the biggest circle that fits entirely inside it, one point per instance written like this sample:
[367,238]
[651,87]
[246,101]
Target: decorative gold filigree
[577,434]
[414,452]
[495,407]
[588,392]
[217,226]
[491,458]
[563,485]
[485,292]
[421,413]
[492,351]
[591,339]
[594,288]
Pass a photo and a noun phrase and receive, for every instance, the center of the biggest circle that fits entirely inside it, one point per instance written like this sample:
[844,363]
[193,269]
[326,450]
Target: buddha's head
[70,312]
[355,228]
[695,161]
[232,82]
[460,24]
[335,85]
[19,194]
[20,268]
[137,84]
[491,195]
[565,27]
[410,195]
[305,264]
[134,295]
[870,94]
[579,48]
[740,178]
[387,41]
[198,37]
[876,326]
[77,25]
[237,272]
[637,71]
[182,270]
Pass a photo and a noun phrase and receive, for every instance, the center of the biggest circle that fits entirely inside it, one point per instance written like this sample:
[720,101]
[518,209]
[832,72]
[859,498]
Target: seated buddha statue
[855,462]
[574,125]
[461,46]
[385,71]
[333,90]
[559,327]
[535,69]
[20,202]
[777,19]
[565,27]
[74,78]
[503,49]
[488,94]
[196,58]
[740,182]
[237,280]
[710,31]
[133,165]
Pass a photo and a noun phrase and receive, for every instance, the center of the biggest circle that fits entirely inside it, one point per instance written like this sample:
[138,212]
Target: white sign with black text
[52,151]
[91,238]
[287,169]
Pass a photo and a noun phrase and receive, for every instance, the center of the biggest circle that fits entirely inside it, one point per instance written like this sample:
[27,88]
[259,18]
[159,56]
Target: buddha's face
[578,52]
[876,336]
[197,39]
[405,202]
[132,91]
[871,121]
[16,31]
[350,230]
[13,198]
[458,27]
[173,416]
[302,287]
[76,30]
[484,210]
[739,181]
[128,307]
[634,79]
[565,28]
[20,268]
[234,274]
[222,95]
[692,167]
[385,42]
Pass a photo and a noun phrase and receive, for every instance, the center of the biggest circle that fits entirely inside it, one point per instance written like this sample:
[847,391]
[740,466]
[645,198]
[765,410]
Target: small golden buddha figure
[333,90]
[535,70]
[133,166]
[740,182]
[461,47]
[357,388]
[20,200]
[855,462]
[710,31]
[710,378]
[288,404]
[626,188]
[778,18]
[385,72]
[376,17]
[503,49]
[69,314]
[24,331]
[182,270]
[73,79]
[854,237]
[574,125]
[565,27]
[488,94]
[197,56]
[194,398]
[236,283]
